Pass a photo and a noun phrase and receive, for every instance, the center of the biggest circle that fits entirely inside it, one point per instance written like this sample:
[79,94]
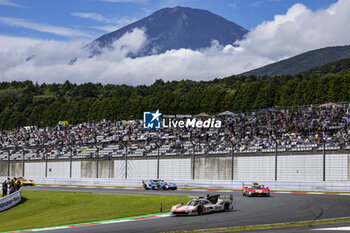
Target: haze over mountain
[302,62]
[176,28]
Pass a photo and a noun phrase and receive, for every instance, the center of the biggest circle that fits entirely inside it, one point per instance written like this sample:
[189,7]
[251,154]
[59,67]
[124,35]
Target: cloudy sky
[39,38]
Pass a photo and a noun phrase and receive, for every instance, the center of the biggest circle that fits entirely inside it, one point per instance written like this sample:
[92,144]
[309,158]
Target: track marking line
[195,190]
[87,224]
[270,226]
[333,229]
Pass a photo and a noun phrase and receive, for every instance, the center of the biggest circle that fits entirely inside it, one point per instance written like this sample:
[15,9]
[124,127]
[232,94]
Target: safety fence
[271,167]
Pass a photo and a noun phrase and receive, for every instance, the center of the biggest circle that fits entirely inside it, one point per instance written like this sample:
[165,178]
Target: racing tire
[227,207]
[243,193]
[268,194]
[200,210]
[145,187]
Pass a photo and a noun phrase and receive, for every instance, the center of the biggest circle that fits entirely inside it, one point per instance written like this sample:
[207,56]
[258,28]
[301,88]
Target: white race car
[201,205]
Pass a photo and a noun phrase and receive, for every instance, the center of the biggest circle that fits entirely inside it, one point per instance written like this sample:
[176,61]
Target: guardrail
[10,200]
[336,186]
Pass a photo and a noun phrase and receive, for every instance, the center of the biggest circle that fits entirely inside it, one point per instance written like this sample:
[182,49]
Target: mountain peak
[176,28]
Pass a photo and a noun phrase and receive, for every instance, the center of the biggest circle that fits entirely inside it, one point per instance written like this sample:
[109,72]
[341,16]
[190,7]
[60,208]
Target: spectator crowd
[303,126]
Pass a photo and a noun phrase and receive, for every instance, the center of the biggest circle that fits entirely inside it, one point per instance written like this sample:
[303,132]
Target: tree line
[27,103]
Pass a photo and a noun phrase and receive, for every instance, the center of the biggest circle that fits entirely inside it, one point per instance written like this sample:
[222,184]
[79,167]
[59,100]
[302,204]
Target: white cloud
[10,3]
[233,5]
[299,30]
[61,31]
[113,23]
[126,1]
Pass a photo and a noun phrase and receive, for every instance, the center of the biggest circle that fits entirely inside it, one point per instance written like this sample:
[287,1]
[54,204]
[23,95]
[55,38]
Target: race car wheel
[145,187]
[243,193]
[226,207]
[200,210]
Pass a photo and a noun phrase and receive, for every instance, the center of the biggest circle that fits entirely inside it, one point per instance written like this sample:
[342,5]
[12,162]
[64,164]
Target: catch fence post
[8,162]
[23,154]
[97,163]
[193,161]
[70,163]
[324,160]
[126,161]
[276,154]
[232,160]
[158,162]
[46,165]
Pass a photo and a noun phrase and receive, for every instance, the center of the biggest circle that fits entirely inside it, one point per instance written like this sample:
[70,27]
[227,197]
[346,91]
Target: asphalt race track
[278,208]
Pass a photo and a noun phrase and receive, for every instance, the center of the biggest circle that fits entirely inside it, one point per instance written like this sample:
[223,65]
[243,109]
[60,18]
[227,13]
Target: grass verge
[48,208]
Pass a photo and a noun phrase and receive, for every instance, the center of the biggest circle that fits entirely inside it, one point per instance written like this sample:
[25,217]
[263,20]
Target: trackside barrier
[337,186]
[10,200]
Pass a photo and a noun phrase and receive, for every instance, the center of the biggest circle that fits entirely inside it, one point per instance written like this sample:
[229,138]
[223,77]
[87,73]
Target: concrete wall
[105,169]
[34,169]
[213,168]
[307,167]
[147,169]
[175,169]
[62,169]
[16,169]
[3,168]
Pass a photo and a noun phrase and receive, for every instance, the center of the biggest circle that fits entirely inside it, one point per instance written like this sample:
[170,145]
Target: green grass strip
[40,209]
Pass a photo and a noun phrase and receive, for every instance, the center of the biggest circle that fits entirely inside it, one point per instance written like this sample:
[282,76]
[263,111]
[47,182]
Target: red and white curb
[192,190]
[122,220]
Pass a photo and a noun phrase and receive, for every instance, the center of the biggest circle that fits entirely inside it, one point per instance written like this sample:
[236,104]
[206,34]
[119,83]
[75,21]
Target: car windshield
[192,203]
[257,187]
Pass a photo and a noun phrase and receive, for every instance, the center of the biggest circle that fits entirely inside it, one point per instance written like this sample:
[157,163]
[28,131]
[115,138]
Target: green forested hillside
[303,62]
[26,103]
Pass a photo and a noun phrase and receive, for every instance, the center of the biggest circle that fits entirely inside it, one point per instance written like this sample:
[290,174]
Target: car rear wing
[214,198]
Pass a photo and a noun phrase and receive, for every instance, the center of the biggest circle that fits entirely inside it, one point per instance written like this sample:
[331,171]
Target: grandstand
[293,130]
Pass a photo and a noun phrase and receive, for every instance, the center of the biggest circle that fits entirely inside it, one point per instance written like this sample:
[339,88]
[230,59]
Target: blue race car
[158,185]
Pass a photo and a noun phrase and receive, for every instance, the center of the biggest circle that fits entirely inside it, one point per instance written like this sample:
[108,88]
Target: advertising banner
[10,200]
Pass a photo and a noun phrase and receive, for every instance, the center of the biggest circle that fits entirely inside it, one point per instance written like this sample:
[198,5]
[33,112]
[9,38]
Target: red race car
[255,189]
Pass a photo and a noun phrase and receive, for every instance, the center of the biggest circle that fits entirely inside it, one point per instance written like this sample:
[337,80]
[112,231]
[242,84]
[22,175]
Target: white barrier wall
[307,167]
[175,169]
[337,167]
[255,168]
[62,169]
[34,169]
